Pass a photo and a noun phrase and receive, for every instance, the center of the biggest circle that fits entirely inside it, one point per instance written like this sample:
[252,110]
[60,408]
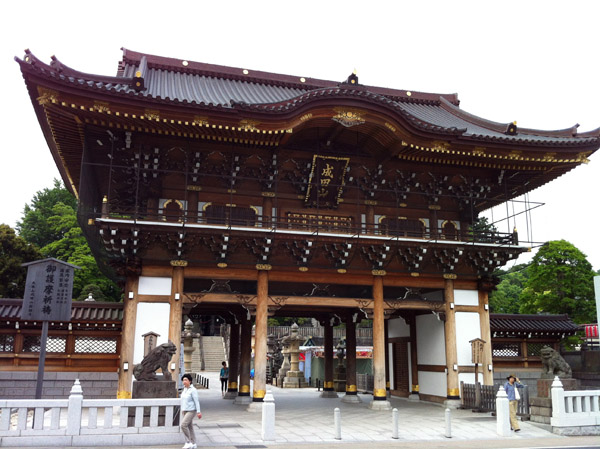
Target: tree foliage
[62,238]
[505,299]
[14,251]
[34,227]
[560,281]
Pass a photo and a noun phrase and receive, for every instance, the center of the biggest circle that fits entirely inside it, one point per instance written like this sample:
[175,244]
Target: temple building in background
[212,190]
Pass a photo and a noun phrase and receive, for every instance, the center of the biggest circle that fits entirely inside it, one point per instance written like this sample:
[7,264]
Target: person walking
[190,406]
[511,387]
[224,375]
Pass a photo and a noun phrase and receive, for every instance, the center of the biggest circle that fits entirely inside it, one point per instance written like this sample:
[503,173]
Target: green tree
[560,281]
[505,299]
[14,251]
[72,247]
[51,222]
[94,290]
[34,227]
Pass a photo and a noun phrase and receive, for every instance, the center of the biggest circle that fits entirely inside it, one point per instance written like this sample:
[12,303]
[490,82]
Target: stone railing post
[74,409]
[502,413]
[268,418]
[558,402]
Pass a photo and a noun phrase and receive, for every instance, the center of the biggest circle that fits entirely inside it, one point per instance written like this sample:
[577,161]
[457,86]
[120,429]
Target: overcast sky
[535,62]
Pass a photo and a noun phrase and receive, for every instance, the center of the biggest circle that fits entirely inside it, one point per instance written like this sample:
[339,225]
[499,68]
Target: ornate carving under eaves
[101,106]
[47,96]
[220,286]
[320,290]
[195,298]
[378,256]
[221,247]
[349,117]
[414,258]
[488,283]
[249,125]
[297,174]
[447,259]
[261,248]
[485,261]
[340,254]
[152,114]
[369,180]
[301,251]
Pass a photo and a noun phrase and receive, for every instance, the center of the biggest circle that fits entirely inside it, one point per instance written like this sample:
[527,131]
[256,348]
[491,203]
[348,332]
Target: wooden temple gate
[249,194]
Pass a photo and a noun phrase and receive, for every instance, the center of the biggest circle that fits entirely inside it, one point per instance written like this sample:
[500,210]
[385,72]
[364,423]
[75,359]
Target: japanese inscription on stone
[48,291]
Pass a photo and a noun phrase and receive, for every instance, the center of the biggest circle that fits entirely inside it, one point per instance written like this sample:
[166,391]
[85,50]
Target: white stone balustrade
[75,421]
[575,409]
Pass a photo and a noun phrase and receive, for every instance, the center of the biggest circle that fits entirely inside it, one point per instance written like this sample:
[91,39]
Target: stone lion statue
[553,364]
[159,357]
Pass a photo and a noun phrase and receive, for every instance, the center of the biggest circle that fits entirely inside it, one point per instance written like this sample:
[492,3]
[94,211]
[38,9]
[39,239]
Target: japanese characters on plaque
[48,291]
[326,181]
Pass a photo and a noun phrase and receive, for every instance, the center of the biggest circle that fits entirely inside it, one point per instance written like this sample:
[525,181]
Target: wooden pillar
[127,338]
[234,359]
[350,356]
[176,316]
[450,340]
[379,391]
[370,219]
[387,356]
[260,340]
[484,323]
[152,209]
[245,358]
[328,390]
[192,206]
[433,222]
[267,218]
[414,389]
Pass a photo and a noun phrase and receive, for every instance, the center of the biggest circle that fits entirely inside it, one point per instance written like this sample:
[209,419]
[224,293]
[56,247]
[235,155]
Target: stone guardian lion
[553,364]
[159,357]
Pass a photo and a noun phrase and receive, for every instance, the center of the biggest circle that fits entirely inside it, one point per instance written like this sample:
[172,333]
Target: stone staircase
[214,354]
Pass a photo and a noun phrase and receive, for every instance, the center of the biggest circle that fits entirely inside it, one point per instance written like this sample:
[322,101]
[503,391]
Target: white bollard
[395,424]
[337,422]
[268,418]
[502,413]
[448,423]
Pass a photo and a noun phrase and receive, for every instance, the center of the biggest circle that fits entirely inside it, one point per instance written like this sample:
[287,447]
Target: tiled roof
[536,325]
[91,311]
[169,80]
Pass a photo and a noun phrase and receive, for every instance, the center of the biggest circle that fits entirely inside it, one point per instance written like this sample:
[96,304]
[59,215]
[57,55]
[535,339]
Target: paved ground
[304,419]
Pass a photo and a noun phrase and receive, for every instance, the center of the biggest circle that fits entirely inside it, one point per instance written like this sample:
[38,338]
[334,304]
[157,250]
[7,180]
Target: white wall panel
[154,286]
[431,347]
[469,378]
[432,383]
[467,328]
[398,328]
[466,297]
[151,316]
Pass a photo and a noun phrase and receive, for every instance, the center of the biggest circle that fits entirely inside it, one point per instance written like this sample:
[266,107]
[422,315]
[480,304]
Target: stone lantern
[294,378]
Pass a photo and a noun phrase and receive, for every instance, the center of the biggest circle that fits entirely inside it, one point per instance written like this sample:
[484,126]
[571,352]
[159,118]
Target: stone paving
[303,417]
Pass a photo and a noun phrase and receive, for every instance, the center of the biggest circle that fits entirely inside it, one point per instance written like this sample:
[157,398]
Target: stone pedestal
[339,379]
[152,390]
[540,410]
[294,379]
[544,386]
[380,405]
[541,406]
